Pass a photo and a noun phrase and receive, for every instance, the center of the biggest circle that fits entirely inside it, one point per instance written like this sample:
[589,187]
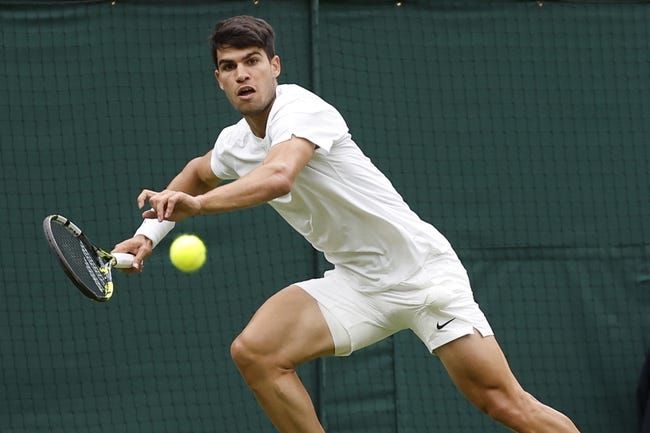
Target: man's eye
[252,61]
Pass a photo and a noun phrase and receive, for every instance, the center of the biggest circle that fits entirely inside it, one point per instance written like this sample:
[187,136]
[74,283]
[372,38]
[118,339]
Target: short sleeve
[308,118]
[222,161]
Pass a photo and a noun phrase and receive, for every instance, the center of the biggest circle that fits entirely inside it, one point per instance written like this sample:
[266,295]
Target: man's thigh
[289,325]
[478,367]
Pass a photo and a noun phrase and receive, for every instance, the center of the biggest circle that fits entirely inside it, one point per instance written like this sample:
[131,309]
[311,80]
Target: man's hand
[168,205]
[140,246]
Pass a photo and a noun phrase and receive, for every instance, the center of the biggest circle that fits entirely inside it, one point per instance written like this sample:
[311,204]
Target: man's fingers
[159,206]
[163,204]
[159,203]
[149,214]
[139,248]
[138,260]
[144,196]
[170,205]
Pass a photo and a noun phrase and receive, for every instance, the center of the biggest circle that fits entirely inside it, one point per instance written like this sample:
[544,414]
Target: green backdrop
[520,129]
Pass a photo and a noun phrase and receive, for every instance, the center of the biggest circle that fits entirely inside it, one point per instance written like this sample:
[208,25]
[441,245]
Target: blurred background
[518,128]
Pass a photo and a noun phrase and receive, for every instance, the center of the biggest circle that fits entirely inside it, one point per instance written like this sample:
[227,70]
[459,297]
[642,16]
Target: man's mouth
[245,91]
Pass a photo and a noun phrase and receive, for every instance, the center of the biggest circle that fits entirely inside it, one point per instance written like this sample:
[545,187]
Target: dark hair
[241,32]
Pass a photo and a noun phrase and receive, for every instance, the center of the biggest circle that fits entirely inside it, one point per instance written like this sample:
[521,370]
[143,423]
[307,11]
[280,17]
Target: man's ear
[216,75]
[276,66]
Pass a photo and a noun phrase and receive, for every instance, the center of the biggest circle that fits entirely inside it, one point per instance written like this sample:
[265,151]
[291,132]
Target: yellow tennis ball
[187,253]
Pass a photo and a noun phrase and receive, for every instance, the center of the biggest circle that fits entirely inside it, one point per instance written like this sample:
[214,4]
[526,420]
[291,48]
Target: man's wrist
[154,230]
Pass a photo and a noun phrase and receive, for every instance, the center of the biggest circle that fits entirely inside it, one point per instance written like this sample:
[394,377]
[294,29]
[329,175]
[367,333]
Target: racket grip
[123,260]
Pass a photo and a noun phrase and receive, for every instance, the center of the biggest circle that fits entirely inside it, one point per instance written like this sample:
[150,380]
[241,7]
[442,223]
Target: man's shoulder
[234,136]
[292,97]
[236,130]
[292,90]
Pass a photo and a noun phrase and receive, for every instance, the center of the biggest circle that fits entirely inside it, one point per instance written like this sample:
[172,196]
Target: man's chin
[253,109]
[249,111]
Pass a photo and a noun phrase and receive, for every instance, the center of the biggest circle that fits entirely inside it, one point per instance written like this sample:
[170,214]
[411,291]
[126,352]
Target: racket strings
[96,269]
[91,268]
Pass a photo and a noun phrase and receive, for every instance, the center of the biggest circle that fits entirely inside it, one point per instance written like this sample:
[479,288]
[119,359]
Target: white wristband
[155,230]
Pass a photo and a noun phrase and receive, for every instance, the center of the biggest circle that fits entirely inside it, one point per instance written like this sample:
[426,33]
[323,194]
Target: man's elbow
[280,182]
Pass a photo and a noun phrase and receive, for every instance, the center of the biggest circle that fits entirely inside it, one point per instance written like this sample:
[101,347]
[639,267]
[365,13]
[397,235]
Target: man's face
[248,77]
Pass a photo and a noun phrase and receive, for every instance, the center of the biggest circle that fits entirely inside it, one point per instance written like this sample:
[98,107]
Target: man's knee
[240,352]
[245,353]
[254,360]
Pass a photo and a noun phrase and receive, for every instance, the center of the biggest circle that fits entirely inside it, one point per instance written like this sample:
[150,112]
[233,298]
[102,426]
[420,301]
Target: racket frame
[106,259]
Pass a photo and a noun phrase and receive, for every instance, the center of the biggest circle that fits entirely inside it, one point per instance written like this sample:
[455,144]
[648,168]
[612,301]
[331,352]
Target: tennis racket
[87,265]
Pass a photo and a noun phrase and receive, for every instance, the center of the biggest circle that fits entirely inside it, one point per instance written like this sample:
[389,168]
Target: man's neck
[257,122]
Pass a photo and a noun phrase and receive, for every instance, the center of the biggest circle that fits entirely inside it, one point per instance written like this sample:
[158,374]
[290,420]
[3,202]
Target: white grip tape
[155,230]
[123,260]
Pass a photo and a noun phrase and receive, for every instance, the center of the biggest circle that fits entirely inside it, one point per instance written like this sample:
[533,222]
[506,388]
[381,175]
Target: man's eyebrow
[245,57]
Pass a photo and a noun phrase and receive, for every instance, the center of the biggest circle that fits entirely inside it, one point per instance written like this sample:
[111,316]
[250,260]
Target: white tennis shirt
[340,202]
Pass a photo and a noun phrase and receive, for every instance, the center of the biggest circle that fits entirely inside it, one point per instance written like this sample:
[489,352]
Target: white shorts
[437,304]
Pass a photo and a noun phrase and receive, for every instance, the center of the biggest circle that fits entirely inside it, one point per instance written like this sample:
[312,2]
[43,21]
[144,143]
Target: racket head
[87,266]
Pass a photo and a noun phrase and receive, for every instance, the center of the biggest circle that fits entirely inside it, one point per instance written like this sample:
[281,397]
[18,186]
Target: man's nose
[242,73]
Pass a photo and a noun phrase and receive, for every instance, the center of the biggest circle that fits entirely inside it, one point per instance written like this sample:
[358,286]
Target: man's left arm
[273,179]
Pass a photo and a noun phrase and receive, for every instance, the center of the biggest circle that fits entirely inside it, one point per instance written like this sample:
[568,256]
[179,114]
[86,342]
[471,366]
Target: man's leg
[288,329]
[480,370]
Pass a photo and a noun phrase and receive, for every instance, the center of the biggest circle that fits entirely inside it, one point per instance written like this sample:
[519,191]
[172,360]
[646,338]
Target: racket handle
[123,260]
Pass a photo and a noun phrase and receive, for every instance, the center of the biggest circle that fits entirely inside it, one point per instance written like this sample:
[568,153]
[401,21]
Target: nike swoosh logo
[439,326]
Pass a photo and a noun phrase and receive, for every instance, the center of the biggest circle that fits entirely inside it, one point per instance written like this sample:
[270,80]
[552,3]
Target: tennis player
[391,270]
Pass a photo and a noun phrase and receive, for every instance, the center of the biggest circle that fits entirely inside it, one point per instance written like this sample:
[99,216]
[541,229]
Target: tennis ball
[187,253]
